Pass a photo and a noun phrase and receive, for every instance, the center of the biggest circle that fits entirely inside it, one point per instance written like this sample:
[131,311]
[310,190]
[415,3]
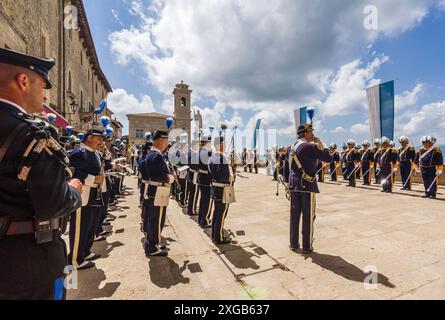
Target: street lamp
[74,106]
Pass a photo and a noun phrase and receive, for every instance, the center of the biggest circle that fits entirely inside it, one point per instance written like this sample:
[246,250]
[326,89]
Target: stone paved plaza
[400,235]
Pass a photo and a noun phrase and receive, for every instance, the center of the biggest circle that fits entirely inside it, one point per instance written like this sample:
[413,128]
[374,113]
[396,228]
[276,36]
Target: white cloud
[408,98]
[266,56]
[347,87]
[429,120]
[360,129]
[338,130]
[122,103]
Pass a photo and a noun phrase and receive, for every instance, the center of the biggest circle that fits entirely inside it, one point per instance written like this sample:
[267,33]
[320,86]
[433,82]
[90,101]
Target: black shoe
[425,196]
[225,241]
[105,223]
[157,253]
[163,247]
[433,196]
[294,248]
[205,226]
[308,251]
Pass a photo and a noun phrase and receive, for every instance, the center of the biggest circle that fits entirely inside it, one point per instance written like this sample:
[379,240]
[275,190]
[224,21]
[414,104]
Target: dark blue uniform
[193,160]
[205,201]
[429,162]
[333,164]
[183,182]
[219,172]
[343,164]
[377,155]
[159,175]
[29,270]
[405,157]
[84,222]
[303,187]
[387,162]
[366,161]
[352,157]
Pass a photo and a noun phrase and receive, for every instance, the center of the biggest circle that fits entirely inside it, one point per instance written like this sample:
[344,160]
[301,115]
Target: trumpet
[320,145]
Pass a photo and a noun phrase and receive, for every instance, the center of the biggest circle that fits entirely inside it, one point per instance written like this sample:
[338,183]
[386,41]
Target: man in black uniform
[405,156]
[300,173]
[335,161]
[34,192]
[84,222]
[377,153]
[160,180]
[193,160]
[352,158]
[429,162]
[205,202]
[367,161]
[387,165]
[221,179]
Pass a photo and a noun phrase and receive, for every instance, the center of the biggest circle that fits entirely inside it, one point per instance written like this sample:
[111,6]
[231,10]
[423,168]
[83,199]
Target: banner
[300,116]
[255,133]
[381,110]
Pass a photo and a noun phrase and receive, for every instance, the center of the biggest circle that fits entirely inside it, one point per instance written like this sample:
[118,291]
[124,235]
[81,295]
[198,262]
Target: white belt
[220,185]
[194,171]
[203,171]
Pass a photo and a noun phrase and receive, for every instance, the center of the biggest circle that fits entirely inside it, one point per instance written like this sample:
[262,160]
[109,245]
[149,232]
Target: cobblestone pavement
[400,236]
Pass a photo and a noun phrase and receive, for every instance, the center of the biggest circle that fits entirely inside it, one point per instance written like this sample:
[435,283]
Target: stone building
[38,27]
[149,122]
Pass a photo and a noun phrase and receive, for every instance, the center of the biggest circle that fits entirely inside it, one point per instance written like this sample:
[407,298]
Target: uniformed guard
[344,147]
[244,159]
[367,162]
[223,191]
[183,168]
[88,169]
[35,190]
[158,192]
[429,162]
[300,173]
[352,160]
[205,202]
[387,165]
[405,156]
[358,171]
[377,153]
[334,164]
[193,160]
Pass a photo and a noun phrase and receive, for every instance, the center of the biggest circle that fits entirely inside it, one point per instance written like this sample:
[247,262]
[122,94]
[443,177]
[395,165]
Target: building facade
[38,27]
[150,122]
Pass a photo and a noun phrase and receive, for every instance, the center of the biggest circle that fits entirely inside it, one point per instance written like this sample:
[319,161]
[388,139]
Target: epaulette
[438,150]
[412,148]
[394,150]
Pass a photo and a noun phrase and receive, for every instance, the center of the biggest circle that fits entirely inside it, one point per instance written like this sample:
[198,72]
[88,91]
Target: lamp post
[74,106]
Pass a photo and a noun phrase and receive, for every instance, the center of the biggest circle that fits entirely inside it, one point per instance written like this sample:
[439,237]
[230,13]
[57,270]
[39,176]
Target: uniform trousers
[302,204]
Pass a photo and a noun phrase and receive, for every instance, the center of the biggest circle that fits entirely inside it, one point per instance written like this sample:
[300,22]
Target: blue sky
[262,59]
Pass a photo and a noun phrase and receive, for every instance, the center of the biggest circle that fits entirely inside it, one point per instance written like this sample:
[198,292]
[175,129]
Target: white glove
[418,170]
[395,170]
[438,172]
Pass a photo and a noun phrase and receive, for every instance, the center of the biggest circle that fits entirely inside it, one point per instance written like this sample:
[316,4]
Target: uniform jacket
[407,154]
[203,177]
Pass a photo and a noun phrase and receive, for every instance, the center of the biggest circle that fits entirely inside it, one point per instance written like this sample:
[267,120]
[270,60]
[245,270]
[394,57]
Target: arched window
[183,102]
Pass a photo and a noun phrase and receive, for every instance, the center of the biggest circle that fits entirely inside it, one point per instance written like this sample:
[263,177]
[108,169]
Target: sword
[367,171]
[321,169]
[355,169]
[335,170]
[384,180]
[435,179]
[411,173]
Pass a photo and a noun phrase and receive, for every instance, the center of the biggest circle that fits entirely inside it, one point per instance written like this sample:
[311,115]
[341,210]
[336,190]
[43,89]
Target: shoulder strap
[4,148]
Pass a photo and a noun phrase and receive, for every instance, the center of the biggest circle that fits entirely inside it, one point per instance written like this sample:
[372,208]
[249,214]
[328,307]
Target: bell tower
[182,114]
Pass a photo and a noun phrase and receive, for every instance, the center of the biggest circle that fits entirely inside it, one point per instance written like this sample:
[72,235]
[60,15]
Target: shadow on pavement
[166,273]
[89,282]
[343,268]
[239,257]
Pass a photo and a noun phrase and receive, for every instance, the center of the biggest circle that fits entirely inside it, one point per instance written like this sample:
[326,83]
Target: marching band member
[405,156]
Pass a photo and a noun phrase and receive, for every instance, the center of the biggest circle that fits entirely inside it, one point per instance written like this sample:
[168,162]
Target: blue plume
[101,107]
[69,130]
[311,113]
[169,122]
[105,121]
[51,117]
[147,136]
[109,131]
[81,136]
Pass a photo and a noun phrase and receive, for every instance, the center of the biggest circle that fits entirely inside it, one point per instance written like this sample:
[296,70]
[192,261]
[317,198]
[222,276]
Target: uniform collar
[14,105]
[156,150]
[87,148]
